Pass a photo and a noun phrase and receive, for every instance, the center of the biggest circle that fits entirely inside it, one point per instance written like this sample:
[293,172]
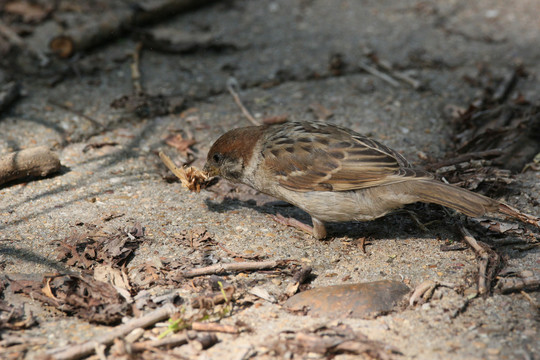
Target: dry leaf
[177,141]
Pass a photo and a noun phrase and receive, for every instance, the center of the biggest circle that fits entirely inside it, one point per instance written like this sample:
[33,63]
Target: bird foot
[318,230]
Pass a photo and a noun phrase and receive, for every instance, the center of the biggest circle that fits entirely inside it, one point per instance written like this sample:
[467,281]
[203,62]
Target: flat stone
[363,300]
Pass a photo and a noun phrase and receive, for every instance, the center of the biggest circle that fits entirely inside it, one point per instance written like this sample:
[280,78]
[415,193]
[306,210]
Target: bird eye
[217,158]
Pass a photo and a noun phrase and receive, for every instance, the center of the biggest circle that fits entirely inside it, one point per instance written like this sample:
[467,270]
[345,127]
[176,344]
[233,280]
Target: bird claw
[292,222]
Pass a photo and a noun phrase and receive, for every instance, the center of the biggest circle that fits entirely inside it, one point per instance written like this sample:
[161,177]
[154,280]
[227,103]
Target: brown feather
[340,159]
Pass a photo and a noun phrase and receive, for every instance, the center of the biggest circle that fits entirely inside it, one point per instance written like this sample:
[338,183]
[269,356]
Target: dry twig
[239,266]
[484,278]
[80,350]
[231,84]
[425,290]
[215,327]
[76,112]
[373,71]
[135,72]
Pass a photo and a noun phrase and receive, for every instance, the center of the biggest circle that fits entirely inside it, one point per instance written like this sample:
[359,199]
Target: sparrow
[333,173]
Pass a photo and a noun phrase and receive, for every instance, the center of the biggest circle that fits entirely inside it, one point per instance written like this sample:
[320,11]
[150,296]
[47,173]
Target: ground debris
[300,277]
[197,238]
[14,317]
[183,145]
[495,137]
[496,126]
[86,250]
[191,178]
[27,12]
[149,106]
[332,340]
[80,295]
[225,294]
[237,266]
[517,281]
[78,351]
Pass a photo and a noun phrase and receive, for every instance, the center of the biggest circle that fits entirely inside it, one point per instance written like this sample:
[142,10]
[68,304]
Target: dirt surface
[280,53]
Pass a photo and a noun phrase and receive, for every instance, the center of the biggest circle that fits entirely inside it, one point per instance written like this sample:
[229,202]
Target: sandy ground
[289,42]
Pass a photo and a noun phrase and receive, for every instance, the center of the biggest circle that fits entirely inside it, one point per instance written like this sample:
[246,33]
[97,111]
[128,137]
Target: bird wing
[329,158]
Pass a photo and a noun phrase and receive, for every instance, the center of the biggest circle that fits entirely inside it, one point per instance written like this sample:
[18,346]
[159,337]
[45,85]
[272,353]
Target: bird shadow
[401,224]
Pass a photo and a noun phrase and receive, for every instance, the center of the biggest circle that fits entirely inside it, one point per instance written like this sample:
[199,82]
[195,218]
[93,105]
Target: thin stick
[169,341]
[215,327]
[230,86]
[135,72]
[76,112]
[11,35]
[523,217]
[484,259]
[378,74]
[16,40]
[486,154]
[81,350]
[406,78]
[530,300]
[239,266]
[385,65]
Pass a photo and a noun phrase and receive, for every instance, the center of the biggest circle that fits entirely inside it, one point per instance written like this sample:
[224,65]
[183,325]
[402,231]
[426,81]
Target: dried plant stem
[238,102]
[81,350]
[239,266]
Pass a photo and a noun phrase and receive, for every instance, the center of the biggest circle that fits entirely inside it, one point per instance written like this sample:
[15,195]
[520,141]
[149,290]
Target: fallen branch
[112,24]
[37,161]
[239,266]
[80,350]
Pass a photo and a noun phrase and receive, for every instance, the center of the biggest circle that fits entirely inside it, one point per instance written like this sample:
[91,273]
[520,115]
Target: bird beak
[211,170]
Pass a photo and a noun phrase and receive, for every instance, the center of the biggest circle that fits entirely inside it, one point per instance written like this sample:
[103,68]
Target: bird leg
[318,230]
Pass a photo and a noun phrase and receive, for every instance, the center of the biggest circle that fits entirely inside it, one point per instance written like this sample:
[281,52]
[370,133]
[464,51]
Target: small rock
[364,300]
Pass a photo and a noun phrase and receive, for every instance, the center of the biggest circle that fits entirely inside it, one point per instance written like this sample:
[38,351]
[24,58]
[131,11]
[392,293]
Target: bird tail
[462,200]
